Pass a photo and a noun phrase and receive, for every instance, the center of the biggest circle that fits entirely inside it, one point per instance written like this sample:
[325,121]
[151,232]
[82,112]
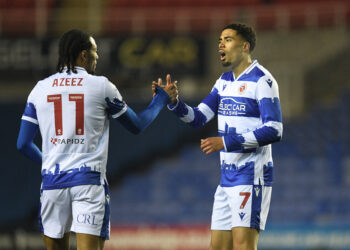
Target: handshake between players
[170,88]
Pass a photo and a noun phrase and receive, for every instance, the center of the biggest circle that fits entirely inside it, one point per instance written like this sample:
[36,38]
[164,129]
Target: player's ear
[83,56]
[246,46]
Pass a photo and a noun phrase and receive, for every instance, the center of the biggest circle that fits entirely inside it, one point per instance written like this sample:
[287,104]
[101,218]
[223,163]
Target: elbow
[20,146]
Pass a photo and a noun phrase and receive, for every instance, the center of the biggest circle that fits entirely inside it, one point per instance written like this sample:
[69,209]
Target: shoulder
[99,79]
[223,80]
[227,76]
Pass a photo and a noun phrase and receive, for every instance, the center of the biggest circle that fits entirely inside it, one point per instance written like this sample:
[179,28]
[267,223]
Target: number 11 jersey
[71,112]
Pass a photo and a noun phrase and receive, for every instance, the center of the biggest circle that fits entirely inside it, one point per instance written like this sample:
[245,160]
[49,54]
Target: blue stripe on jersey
[253,76]
[266,135]
[231,175]
[227,76]
[238,106]
[181,109]
[70,178]
[231,131]
[105,226]
[30,111]
[270,109]
[268,174]
[199,119]
[233,142]
[212,100]
[256,206]
[39,215]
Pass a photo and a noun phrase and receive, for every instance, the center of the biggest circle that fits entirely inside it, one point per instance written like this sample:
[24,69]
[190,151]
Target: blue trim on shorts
[105,226]
[73,177]
[256,206]
[39,215]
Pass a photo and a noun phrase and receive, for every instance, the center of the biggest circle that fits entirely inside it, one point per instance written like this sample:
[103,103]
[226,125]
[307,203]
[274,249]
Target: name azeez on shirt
[61,82]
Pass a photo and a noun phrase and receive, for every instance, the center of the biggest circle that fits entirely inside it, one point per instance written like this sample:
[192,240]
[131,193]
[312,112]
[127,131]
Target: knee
[244,246]
[220,246]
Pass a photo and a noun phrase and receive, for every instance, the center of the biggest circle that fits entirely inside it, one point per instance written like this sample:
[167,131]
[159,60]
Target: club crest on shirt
[242,88]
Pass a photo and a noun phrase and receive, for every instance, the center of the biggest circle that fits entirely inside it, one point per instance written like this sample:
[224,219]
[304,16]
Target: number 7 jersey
[71,112]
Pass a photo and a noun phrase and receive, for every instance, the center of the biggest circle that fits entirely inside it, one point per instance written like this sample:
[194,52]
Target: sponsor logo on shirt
[230,107]
[66,141]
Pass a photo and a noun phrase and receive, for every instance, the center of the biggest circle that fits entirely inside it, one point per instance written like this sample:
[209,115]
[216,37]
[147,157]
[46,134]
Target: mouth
[222,55]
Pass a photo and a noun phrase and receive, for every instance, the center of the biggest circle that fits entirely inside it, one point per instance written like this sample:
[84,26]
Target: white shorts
[81,209]
[241,206]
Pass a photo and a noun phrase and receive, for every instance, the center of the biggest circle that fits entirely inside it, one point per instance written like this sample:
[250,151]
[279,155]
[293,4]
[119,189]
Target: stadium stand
[21,17]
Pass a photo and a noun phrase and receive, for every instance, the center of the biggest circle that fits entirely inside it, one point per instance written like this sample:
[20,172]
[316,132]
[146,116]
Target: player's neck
[242,66]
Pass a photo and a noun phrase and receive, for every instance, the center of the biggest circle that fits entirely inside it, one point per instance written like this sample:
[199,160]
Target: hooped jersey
[71,112]
[249,120]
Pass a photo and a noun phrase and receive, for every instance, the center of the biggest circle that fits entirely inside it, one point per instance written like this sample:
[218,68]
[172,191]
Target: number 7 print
[246,198]
[79,114]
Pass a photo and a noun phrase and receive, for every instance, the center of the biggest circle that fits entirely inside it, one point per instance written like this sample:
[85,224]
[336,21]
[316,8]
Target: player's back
[71,113]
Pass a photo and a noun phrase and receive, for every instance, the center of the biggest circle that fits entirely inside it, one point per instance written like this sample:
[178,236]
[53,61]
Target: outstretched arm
[25,143]
[198,116]
[136,123]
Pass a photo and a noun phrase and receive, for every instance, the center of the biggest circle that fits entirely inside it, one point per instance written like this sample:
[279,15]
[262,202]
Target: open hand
[212,144]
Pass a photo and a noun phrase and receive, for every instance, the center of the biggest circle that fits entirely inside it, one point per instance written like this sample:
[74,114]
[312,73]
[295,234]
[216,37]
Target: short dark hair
[245,31]
[70,46]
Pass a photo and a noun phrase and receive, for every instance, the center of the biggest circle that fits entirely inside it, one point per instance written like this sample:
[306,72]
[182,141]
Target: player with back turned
[246,101]
[71,109]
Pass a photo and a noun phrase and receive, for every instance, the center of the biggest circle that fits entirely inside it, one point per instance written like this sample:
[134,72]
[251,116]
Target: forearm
[268,133]
[136,123]
[25,142]
[195,117]
[32,152]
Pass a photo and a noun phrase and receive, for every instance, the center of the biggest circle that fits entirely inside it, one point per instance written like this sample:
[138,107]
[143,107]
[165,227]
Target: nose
[221,45]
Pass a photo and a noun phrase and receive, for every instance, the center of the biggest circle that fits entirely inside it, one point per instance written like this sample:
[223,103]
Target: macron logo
[241,214]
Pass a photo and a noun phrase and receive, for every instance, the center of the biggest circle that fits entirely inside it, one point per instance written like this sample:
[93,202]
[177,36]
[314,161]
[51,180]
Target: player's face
[92,57]
[231,48]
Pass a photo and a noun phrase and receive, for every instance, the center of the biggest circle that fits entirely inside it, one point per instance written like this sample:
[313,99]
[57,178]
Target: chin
[226,64]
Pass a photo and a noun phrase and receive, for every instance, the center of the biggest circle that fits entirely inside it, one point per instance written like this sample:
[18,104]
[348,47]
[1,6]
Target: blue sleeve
[136,123]
[269,132]
[25,143]
[270,109]
[200,115]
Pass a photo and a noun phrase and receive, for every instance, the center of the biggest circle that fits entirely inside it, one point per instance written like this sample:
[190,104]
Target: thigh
[56,244]
[89,242]
[249,205]
[245,238]
[221,240]
[221,218]
[55,214]
[90,205]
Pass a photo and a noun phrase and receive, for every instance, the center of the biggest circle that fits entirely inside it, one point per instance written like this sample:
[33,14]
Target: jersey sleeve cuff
[30,119]
[171,107]
[233,142]
[120,112]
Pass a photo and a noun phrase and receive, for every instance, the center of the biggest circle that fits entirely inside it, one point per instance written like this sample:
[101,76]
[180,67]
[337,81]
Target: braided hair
[70,46]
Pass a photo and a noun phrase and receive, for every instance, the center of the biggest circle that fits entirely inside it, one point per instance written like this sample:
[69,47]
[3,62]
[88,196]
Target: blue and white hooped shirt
[249,120]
